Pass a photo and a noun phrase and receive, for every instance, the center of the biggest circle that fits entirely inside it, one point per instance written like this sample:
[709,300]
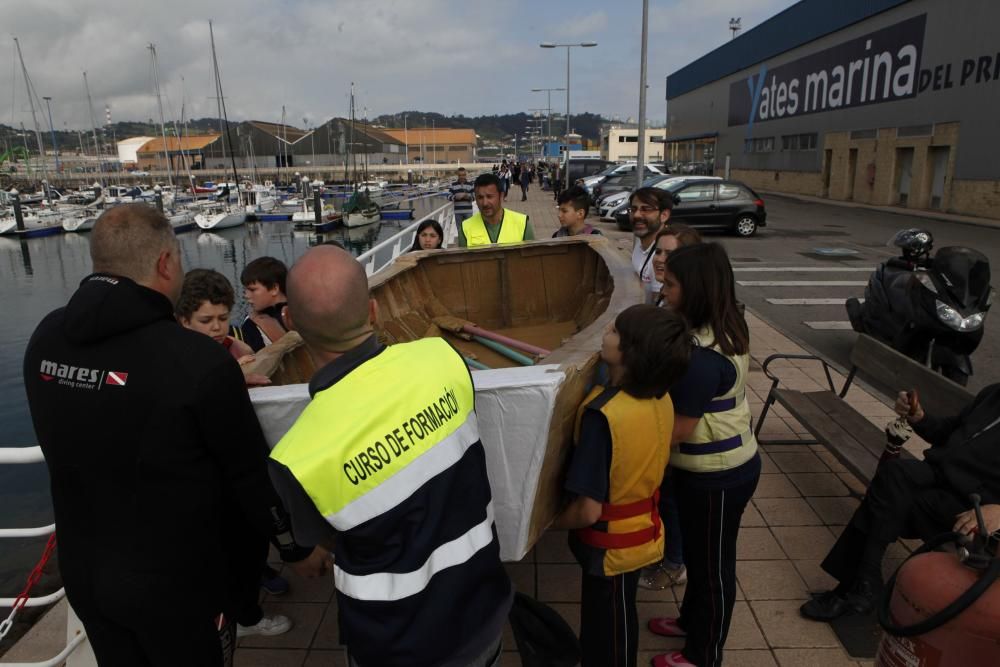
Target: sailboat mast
[222,104]
[159,104]
[31,105]
[354,155]
[93,129]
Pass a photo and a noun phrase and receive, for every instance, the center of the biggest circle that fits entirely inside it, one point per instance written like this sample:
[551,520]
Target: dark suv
[727,206]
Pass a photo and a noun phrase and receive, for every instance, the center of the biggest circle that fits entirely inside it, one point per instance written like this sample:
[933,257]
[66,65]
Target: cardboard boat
[559,295]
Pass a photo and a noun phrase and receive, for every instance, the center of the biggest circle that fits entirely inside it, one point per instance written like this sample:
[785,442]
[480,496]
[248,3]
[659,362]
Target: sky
[452,57]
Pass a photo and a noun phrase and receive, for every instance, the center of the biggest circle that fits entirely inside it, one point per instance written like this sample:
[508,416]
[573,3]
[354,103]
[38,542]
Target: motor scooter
[930,308]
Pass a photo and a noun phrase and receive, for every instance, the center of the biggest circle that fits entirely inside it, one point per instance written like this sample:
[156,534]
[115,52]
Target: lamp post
[52,129]
[549,104]
[550,45]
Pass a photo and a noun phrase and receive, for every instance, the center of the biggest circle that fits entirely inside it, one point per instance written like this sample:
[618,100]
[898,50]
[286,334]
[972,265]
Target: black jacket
[150,440]
[965,449]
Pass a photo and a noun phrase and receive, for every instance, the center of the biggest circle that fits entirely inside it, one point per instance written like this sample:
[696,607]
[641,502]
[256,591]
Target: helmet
[913,242]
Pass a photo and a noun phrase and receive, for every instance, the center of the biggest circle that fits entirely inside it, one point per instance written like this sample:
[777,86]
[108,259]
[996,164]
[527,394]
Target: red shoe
[675,659]
[666,627]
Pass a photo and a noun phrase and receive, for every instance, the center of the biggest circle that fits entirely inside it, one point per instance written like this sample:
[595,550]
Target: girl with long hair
[713,450]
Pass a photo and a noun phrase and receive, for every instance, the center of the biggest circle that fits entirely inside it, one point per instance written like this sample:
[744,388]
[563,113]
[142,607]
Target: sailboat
[359,210]
[222,215]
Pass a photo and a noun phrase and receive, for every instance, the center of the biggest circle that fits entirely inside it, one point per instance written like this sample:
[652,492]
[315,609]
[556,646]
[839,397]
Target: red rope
[36,574]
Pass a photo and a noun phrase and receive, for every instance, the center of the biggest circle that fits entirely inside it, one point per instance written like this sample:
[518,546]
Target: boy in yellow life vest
[622,448]
[493,223]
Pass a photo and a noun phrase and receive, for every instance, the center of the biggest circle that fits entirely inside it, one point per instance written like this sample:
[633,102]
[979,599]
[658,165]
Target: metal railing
[76,637]
[385,252]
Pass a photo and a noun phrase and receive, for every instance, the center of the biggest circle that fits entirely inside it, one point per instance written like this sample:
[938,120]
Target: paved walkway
[802,502]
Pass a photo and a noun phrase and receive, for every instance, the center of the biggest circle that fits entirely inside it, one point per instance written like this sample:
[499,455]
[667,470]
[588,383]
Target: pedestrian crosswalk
[816,308]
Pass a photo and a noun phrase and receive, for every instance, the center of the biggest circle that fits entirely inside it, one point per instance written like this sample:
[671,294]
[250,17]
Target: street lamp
[550,45]
[549,106]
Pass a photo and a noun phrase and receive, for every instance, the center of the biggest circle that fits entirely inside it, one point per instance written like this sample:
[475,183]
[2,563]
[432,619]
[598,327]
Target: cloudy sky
[449,56]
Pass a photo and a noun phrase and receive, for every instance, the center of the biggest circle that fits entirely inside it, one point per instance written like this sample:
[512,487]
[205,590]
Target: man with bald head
[154,452]
[386,460]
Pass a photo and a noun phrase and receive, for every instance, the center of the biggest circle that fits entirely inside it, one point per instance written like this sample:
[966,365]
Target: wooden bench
[855,441]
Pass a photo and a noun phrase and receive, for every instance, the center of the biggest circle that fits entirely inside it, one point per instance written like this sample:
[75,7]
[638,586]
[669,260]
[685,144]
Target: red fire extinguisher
[941,610]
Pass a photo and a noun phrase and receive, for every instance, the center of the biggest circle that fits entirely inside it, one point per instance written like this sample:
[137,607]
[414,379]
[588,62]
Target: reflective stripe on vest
[629,530]
[358,467]
[389,586]
[512,228]
[722,439]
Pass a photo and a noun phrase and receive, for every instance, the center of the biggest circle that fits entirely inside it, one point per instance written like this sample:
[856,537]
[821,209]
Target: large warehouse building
[886,102]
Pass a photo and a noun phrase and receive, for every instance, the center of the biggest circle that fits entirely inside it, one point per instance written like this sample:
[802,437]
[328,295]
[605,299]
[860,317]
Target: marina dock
[804,499]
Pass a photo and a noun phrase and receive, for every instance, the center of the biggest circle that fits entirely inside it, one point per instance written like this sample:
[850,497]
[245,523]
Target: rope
[33,578]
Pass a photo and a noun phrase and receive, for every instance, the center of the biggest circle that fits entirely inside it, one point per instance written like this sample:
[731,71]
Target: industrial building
[883,102]
[621,143]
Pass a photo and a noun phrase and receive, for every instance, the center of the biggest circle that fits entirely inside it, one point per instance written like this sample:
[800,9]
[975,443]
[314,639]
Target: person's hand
[315,565]
[246,359]
[966,521]
[908,405]
[256,379]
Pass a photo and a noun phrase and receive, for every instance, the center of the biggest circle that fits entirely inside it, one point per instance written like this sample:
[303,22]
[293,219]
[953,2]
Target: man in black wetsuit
[154,453]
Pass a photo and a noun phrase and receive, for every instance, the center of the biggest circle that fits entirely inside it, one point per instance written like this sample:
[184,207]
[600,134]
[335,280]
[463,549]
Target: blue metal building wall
[799,24]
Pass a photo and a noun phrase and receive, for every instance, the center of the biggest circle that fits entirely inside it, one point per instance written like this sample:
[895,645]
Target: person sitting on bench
[914,498]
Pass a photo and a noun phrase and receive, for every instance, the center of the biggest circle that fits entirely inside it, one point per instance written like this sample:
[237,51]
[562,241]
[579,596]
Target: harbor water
[39,275]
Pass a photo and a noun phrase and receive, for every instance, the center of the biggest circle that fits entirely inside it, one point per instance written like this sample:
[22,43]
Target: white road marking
[802,283]
[809,302]
[829,326]
[804,269]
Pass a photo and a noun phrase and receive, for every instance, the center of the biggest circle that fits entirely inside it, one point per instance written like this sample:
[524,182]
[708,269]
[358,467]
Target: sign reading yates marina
[881,66]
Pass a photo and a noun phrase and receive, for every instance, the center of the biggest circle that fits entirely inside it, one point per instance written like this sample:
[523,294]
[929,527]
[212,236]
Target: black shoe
[832,605]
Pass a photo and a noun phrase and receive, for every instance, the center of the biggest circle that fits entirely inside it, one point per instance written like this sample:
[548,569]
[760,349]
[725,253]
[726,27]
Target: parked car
[591,182]
[582,167]
[622,182]
[712,204]
[610,204]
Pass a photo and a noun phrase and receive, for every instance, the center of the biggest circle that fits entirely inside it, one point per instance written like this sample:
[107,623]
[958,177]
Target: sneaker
[675,659]
[666,627]
[276,585]
[268,626]
[659,577]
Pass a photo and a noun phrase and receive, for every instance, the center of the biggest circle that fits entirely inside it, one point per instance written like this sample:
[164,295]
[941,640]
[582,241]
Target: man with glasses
[649,210]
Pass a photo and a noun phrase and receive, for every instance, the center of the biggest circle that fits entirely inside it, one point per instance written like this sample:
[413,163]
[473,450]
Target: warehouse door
[939,166]
[904,174]
[852,172]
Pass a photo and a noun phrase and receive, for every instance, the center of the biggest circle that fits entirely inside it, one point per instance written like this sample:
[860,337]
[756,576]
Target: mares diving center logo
[79,377]
[882,66]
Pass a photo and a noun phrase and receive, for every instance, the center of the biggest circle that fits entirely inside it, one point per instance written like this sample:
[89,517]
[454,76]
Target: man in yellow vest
[386,460]
[493,223]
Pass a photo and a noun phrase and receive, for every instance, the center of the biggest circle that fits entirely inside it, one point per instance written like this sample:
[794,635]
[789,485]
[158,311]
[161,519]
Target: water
[39,275]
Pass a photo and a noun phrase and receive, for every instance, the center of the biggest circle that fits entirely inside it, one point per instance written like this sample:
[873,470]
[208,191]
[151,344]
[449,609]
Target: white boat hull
[79,224]
[361,218]
[224,220]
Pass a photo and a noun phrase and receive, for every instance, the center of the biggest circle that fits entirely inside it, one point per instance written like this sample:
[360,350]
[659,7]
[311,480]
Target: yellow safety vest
[723,438]
[410,400]
[512,227]
[629,530]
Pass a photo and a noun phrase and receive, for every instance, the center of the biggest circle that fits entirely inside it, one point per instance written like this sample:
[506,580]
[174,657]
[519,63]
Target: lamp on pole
[549,104]
[550,45]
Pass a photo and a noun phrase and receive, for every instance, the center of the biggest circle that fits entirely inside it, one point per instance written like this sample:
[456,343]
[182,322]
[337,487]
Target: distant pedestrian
[461,192]
[525,181]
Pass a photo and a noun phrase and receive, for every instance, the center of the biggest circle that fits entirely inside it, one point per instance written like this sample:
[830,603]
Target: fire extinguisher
[922,611]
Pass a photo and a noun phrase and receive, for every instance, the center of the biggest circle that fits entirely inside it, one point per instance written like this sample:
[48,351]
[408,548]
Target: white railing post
[76,637]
